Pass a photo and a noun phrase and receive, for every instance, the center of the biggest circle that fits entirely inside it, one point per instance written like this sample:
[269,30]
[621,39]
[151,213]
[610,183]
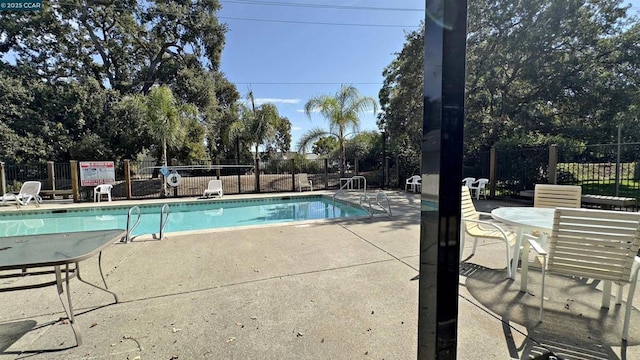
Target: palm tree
[167,119]
[257,125]
[342,111]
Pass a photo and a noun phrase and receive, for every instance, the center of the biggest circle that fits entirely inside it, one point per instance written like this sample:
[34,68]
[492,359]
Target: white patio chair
[303,182]
[553,196]
[415,182]
[592,244]
[468,181]
[213,188]
[30,190]
[101,190]
[477,228]
[479,187]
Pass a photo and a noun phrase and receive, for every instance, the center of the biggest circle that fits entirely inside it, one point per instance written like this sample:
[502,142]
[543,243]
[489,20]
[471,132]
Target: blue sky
[288,63]
[285,60]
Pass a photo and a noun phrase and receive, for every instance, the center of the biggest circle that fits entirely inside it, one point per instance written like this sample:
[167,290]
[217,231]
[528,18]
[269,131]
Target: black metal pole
[442,140]
[384,158]
[238,163]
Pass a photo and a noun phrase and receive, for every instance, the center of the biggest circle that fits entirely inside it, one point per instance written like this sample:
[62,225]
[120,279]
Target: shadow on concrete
[13,331]
[574,325]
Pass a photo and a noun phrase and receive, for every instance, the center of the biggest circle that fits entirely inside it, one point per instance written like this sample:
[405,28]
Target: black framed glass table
[63,252]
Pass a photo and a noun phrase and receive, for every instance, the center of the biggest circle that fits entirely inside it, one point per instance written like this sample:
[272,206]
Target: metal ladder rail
[127,238]
[164,220]
[368,210]
[347,184]
[386,198]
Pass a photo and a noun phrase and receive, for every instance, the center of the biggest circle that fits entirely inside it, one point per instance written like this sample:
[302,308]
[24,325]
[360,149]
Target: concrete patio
[343,289]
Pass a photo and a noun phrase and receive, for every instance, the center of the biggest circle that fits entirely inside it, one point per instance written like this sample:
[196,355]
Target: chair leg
[627,312]
[475,243]
[544,272]
[509,275]
[606,294]
[619,295]
[632,290]
[524,271]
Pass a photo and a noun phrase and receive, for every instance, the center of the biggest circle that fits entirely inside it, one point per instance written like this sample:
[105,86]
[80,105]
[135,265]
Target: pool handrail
[349,185]
[130,228]
[386,198]
[163,220]
[370,210]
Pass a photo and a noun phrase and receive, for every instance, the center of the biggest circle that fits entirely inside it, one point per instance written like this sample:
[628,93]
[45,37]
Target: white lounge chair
[30,190]
[214,187]
[304,182]
[100,190]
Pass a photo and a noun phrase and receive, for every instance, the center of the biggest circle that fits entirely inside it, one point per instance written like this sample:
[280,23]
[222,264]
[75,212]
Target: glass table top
[54,249]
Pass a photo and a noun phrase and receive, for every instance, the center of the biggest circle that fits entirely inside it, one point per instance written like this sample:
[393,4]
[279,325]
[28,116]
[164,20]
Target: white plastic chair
[415,182]
[304,182]
[468,181]
[30,190]
[100,190]
[479,187]
[477,228]
[592,244]
[213,188]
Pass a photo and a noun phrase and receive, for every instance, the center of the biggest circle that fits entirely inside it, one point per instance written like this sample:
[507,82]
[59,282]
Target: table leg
[516,252]
[524,274]
[105,288]
[68,308]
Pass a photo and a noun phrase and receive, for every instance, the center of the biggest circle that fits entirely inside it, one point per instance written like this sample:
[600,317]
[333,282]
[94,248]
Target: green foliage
[66,73]
[261,125]
[325,146]
[538,72]
[367,148]
[169,122]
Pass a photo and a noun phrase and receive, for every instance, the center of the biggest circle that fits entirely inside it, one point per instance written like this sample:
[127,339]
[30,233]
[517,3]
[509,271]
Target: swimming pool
[184,216]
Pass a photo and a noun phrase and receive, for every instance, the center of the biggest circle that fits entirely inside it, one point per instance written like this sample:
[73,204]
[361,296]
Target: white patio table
[525,219]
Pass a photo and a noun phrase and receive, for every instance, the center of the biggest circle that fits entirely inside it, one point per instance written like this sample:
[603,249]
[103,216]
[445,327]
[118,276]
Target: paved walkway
[343,289]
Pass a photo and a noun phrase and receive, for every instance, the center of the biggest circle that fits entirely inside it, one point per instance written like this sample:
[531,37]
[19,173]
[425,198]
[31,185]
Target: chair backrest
[302,178]
[597,244]
[104,188]
[482,183]
[468,181]
[31,188]
[415,179]
[468,209]
[214,184]
[552,196]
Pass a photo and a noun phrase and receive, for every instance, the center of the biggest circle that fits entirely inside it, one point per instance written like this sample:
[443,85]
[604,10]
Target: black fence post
[384,158]
[3,179]
[257,175]
[553,164]
[326,174]
[292,164]
[492,173]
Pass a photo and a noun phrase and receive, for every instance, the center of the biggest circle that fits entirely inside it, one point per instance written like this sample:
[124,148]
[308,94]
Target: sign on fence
[94,173]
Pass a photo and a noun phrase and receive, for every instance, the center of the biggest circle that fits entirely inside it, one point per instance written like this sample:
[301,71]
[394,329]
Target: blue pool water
[183,216]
